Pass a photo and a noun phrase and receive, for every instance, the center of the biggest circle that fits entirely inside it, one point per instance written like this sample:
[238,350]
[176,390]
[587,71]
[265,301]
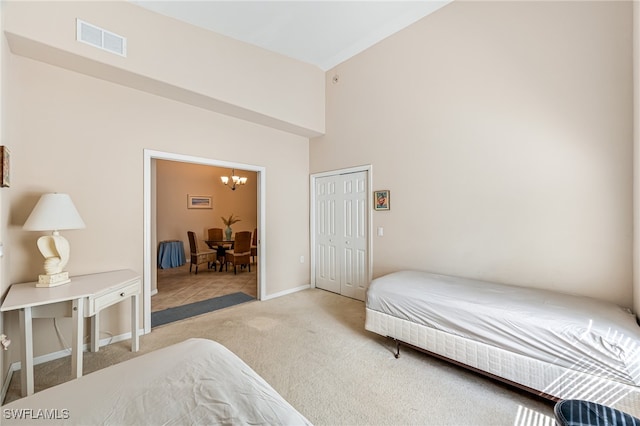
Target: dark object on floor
[197,308]
[576,412]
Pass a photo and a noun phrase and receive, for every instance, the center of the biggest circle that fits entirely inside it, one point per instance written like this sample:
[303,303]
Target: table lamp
[54,212]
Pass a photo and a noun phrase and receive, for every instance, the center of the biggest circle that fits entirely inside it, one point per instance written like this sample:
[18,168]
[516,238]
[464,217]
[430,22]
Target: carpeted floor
[311,346]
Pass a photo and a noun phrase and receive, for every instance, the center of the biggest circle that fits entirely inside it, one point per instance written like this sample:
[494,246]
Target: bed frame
[541,378]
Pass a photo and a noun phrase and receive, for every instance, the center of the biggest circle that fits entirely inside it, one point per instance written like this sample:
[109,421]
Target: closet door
[353,244]
[327,267]
[341,237]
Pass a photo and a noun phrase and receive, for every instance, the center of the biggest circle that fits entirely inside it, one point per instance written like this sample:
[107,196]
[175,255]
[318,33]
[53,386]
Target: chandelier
[235,180]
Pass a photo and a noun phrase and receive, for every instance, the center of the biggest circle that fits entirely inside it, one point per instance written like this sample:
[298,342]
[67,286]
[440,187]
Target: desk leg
[135,341]
[76,344]
[95,333]
[26,329]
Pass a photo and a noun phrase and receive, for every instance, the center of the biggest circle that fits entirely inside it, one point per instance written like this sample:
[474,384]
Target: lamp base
[53,279]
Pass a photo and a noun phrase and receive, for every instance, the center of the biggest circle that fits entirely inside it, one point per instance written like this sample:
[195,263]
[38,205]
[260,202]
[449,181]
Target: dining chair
[241,253]
[214,237]
[254,245]
[199,255]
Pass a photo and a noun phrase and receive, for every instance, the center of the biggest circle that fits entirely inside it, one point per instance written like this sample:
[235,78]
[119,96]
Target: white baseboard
[15,366]
[285,292]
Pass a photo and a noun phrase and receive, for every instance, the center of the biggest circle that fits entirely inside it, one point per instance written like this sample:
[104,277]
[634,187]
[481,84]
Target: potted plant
[228,222]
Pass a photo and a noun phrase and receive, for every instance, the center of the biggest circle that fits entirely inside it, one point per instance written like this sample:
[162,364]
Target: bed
[556,345]
[197,381]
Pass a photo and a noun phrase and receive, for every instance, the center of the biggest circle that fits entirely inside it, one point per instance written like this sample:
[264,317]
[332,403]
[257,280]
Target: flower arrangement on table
[228,222]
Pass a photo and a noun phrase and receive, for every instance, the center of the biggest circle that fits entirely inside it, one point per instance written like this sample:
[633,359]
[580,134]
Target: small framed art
[5,180]
[199,202]
[381,200]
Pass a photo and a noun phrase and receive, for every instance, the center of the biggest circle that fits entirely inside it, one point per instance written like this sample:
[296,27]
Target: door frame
[149,193]
[368,168]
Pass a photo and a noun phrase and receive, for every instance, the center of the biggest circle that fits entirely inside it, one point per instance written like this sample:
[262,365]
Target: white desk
[84,296]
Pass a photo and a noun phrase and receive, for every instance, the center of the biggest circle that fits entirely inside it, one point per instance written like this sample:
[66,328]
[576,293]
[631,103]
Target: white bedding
[197,381]
[578,333]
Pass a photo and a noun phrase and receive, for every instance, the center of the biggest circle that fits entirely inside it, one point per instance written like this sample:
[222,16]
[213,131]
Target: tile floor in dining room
[177,287]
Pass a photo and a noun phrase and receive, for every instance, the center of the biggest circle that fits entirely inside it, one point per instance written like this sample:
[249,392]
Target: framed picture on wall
[199,202]
[382,199]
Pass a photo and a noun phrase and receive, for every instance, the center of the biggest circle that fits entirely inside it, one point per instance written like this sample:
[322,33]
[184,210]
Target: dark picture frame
[382,199]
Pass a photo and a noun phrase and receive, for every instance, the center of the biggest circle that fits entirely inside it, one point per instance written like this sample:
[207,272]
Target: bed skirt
[543,378]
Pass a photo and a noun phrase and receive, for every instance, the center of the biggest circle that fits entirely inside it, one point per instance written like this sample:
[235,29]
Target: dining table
[221,247]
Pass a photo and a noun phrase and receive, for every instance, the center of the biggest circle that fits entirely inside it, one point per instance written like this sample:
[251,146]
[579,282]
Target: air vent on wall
[100,38]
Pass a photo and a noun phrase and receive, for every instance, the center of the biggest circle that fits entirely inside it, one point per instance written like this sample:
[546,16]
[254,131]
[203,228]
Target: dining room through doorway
[177,183]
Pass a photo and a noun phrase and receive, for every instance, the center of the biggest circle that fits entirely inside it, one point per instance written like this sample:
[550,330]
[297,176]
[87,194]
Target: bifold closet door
[341,238]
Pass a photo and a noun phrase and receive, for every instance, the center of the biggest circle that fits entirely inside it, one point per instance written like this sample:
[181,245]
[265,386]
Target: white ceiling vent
[100,38]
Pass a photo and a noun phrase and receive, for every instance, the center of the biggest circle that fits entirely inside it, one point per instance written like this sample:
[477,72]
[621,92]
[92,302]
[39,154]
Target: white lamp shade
[52,213]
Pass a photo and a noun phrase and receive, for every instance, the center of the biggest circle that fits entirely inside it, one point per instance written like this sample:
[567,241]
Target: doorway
[177,283]
[151,238]
[341,243]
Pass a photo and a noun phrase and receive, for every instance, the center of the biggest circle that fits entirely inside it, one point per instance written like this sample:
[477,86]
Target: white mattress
[194,382]
[574,332]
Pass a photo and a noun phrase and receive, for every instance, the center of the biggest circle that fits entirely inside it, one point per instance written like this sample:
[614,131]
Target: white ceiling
[322,33]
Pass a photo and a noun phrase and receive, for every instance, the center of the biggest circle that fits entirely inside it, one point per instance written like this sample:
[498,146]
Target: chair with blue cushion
[576,412]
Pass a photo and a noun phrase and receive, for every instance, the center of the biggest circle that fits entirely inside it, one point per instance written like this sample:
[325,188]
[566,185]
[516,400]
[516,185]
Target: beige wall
[74,133]
[176,179]
[174,60]
[504,132]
